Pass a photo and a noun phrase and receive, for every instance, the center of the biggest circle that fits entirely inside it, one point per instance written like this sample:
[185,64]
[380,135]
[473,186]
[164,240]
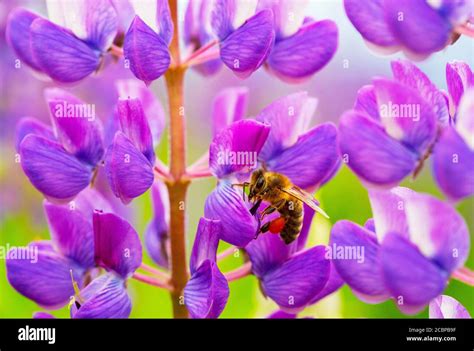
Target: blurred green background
[21,214]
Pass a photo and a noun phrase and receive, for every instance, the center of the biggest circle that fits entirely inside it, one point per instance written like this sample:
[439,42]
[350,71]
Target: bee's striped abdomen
[293,213]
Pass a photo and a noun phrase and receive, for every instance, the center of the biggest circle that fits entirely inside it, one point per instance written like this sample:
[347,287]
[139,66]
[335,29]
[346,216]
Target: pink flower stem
[241,272]
[465,29]
[226,253]
[201,163]
[464,275]
[196,55]
[199,174]
[152,281]
[155,272]
[116,51]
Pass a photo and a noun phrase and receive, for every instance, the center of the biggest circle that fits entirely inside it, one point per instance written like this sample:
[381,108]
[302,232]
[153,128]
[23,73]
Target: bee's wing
[307,198]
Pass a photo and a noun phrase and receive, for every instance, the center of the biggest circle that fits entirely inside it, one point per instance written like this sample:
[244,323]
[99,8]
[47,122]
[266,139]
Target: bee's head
[257,184]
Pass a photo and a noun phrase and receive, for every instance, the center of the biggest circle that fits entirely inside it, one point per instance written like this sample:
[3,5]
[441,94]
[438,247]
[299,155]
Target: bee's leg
[243,185]
[255,207]
[272,208]
[263,229]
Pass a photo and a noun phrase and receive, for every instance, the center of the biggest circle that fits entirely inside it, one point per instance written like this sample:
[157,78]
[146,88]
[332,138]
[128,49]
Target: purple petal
[116,244]
[309,172]
[60,54]
[279,314]
[131,88]
[146,51]
[452,165]
[438,231]
[356,255]
[267,252]
[18,35]
[129,172]
[222,17]
[164,21]
[207,291]
[72,233]
[371,153]
[51,169]
[406,116]
[245,137]
[366,102]
[465,118]
[369,19]
[30,125]
[407,73]
[229,106]
[408,274]
[421,29]
[205,243]
[43,315]
[333,284]
[459,78]
[157,234]
[447,307]
[310,49]
[293,284]
[226,204]
[46,278]
[289,15]
[105,297]
[134,125]
[247,48]
[289,117]
[77,127]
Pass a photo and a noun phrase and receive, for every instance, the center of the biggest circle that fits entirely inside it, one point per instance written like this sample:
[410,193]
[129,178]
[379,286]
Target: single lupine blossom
[418,27]
[444,307]
[147,40]
[453,154]
[60,161]
[411,247]
[207,291]
[292,276]
[69,254]
[130,158]
[117,248]
[64,47]
[280,138]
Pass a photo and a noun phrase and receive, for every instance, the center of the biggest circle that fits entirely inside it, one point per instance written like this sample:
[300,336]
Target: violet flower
[207,291]
[60,162]
[147,40]
[409,250]
[453,154]
[280,138]
[447,307]
[130,158]
[419,27]
[69,252]
[66,48]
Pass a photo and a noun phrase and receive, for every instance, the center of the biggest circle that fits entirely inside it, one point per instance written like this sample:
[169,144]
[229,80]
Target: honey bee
[283,196]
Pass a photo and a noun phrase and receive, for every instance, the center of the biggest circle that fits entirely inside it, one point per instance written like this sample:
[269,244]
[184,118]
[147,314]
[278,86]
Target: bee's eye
[260,182]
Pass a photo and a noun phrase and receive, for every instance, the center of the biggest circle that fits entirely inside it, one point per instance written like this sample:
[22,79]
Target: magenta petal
[288,118]
[129,172]
[116,244]
[423,29]
[229,106]
[279,314]
[51,169]
[71,232]
[416,124]
[30,125]
[18,35]
[206,293]
[146,51]
[77,127]
[306,52]
[408,274]
[447,307]
[366,102]
[407,73]
[134,125]
[459,78]
[60,54]
[298,280]
[205,243]
[247,48]
[43,315]
[46,280]
[371,153]
[452,165]
[226,204]
[245,137]
[105,297]
[369,19]
[362,273]
[306,172]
